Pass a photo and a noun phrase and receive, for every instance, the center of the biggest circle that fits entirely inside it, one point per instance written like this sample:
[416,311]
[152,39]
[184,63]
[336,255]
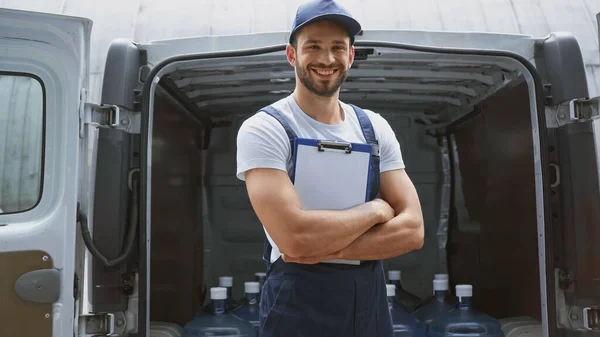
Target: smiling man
[302,295]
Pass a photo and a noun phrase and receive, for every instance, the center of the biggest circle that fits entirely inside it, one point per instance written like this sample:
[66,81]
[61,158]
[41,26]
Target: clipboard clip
[340,146]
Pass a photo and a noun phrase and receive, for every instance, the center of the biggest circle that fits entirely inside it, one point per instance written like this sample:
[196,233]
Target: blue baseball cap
[325,10]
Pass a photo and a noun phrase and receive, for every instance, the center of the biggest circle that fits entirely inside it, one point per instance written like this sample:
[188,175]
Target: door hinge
[112,116]
[576,110]
[102,324]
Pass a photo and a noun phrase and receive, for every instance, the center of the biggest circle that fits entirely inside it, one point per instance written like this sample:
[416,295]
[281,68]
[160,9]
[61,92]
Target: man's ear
[291,54]
[351,57]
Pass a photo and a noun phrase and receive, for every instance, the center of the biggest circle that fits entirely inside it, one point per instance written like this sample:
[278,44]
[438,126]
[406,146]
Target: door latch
[113,116]
[583,109]
[591,318]
[102,324]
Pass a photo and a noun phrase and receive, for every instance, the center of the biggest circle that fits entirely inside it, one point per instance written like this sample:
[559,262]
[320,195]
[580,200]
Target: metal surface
[102,324]
[18,316]
[55,49]
[591,318]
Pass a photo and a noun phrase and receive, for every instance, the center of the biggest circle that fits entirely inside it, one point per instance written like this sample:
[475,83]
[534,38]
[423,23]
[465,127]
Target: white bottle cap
[225,281]
[440,277]
[260,274]
[464,290]
[391,290]
[394,275]
[252,287]
[218,293]
[440,285]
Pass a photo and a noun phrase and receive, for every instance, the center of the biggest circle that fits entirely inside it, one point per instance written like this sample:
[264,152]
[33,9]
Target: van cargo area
[464,123]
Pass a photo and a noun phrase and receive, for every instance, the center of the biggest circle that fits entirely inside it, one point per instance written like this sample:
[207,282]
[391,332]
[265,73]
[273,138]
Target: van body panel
[161,50]
[562,68]
[53,50]
[122,74]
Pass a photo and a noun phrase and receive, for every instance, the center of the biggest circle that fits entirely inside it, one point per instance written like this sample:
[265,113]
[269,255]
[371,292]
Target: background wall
[146,20]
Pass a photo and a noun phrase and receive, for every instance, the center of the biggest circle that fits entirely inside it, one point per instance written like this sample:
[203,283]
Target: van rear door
[43,67]
[572,258]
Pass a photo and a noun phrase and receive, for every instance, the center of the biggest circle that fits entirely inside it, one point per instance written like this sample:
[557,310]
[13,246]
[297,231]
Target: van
[118,215]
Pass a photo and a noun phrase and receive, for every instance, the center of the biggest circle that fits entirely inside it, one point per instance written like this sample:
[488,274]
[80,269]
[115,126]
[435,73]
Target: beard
[319,87]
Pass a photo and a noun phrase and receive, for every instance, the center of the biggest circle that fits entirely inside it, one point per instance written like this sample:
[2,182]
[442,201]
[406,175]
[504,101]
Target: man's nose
[326,57]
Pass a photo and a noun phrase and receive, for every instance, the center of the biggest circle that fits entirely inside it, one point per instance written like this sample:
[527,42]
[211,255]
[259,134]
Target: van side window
[21,141]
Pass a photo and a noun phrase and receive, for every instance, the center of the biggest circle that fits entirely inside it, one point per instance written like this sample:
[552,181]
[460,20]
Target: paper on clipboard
[331,175]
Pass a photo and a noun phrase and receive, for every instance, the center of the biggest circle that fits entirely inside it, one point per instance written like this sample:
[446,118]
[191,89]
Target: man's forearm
[396,237]
[322,232]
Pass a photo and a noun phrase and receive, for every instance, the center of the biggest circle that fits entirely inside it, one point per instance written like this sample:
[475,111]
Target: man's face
[322,57]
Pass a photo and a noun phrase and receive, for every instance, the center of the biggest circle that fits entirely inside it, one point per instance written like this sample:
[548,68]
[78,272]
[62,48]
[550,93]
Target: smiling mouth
[324,72]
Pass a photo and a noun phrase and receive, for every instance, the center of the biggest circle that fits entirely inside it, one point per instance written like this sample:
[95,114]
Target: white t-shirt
[263,143]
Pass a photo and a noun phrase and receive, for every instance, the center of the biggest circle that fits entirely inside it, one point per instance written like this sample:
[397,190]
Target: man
[303,296]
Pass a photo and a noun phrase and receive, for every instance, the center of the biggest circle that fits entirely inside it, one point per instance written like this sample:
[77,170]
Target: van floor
[203,225]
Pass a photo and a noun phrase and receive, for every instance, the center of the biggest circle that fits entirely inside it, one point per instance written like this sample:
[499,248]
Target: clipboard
[331,175]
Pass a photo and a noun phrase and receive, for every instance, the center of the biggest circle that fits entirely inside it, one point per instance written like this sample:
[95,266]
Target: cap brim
[351,24]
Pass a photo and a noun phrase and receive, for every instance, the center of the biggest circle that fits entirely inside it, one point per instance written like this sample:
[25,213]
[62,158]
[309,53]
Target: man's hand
[387,212]
[398,236]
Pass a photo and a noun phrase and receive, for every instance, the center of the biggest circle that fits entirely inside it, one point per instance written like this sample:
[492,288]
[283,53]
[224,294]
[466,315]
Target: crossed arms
[379,229]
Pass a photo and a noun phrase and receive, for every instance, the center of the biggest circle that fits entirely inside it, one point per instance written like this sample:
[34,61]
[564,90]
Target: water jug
[408,300]
[437,305]
[218,322]
[463,320]
[248,310]
[405,325]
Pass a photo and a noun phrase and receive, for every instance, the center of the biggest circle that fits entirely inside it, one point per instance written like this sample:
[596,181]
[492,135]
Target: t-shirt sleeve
[261,143]
[389,148]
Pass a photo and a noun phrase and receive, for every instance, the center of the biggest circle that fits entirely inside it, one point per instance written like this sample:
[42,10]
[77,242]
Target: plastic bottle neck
[218,307]
[390,301]
[440,295]
[229,292]
[465,302]
[252,298]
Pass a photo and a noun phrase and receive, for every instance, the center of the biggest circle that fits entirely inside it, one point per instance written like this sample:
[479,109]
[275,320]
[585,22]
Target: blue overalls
[326,300]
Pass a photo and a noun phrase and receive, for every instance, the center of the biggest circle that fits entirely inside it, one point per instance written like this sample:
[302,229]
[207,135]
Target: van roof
[160,50]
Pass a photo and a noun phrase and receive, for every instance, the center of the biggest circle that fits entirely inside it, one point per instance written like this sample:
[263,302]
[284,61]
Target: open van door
[43,69]
[572,251]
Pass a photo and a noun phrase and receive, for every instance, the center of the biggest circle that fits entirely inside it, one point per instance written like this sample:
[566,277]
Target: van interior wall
[176,270]
[495,156]
[196,240]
